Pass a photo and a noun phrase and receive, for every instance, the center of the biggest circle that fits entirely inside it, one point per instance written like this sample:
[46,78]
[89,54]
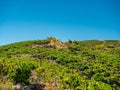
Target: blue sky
[64,19]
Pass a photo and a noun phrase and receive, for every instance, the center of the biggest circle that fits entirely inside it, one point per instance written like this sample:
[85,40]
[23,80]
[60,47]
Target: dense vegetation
[74,65]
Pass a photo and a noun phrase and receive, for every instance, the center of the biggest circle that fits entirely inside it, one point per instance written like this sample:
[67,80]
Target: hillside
[71,65]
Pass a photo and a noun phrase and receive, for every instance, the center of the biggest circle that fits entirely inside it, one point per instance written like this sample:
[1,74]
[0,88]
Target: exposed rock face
[32,87]
[16,87]
[56,43]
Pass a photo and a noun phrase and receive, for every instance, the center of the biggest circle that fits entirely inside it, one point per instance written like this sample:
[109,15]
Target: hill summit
[54,65]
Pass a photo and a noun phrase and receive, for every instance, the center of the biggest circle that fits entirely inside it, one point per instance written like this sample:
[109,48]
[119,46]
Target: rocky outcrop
[29,87]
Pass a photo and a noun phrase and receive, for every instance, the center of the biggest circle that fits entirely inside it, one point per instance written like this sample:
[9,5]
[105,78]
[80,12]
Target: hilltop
[74,65]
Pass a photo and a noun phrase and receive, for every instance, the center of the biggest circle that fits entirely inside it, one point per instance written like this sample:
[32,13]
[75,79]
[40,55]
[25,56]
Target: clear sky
[64,19]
